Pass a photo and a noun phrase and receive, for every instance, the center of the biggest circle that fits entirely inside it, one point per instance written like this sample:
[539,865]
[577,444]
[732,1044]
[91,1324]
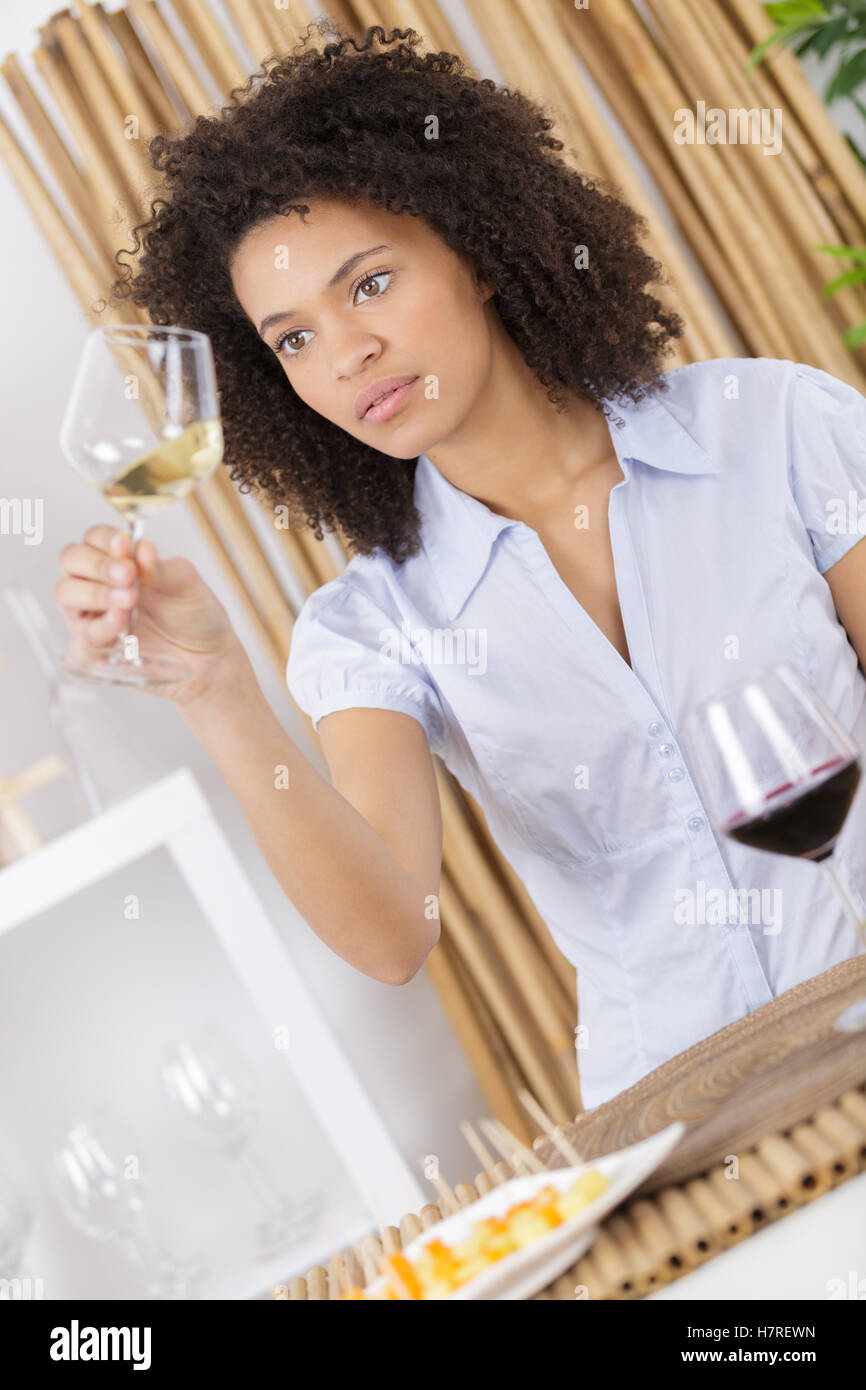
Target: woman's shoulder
[725,377]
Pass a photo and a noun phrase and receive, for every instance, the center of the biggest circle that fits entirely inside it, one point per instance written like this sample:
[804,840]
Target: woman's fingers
[88,595]
[94,630]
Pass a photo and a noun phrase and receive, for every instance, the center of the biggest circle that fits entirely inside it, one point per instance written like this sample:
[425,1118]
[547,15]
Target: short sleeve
[348,653]
[828,460]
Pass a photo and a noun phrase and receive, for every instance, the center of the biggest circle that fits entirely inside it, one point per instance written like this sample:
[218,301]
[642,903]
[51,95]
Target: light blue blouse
[742,484]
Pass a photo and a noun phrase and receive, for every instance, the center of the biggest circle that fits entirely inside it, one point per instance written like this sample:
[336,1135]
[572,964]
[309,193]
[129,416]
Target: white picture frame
[173,813]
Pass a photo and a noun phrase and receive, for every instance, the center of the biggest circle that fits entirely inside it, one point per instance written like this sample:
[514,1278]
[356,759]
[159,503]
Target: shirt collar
[458,531]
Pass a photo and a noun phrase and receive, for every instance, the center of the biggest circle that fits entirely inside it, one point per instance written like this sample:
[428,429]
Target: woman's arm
[340,874]
[847,581]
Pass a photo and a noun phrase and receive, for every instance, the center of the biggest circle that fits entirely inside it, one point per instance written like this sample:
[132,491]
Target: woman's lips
[390,405]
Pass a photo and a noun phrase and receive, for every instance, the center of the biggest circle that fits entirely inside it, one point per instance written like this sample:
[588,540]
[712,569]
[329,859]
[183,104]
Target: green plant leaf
[794,11]
[807,43]
[856,335]
[850,75]
[851,277]
[829,33]
[851,253]
[786,31]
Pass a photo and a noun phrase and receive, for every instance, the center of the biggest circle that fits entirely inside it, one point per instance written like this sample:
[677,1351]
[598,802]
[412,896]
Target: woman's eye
[299,332]
[278,345]
[371,279]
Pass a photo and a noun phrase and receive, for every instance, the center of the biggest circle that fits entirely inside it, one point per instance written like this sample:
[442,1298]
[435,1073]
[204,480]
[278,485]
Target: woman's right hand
[177,615]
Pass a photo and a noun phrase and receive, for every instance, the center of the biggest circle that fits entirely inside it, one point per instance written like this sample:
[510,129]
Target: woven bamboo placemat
[775,1105]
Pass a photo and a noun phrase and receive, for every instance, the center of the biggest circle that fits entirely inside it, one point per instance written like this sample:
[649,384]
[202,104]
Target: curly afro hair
[348,121]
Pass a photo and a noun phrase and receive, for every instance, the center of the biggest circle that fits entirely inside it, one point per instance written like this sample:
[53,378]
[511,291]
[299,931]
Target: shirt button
[676,774]
[665,750]
[696,823]
[655,729]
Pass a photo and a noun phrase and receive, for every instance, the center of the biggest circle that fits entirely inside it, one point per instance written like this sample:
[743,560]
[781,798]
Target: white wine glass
[102,1194]
[142,426]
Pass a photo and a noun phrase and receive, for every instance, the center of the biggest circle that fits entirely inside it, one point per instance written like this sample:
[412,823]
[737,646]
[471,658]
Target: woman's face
[404,304]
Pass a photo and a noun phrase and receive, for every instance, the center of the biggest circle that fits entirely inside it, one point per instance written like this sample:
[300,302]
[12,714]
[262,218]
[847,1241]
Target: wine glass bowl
[91,1177]
[142,426]
[779,773]
[213,1089]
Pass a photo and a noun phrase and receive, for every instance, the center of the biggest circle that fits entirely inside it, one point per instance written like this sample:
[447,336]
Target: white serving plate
[525,1271]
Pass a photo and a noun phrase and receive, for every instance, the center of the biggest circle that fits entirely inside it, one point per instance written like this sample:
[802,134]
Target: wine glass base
[145,672]
[852,1019]
[292,1224]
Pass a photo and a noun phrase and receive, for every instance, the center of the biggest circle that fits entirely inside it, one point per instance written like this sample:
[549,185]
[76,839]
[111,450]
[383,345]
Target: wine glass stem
[831,869]
[260,1182]
[125,648]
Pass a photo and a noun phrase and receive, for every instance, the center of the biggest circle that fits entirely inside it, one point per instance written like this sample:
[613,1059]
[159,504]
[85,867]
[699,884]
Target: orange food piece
[398,1271]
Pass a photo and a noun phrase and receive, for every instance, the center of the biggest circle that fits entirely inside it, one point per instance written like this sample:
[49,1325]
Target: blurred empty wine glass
[88,1175]
[778,773]
[212,1088]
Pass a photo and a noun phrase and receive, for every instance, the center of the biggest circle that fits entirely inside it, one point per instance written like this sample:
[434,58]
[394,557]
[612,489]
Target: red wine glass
[778,772]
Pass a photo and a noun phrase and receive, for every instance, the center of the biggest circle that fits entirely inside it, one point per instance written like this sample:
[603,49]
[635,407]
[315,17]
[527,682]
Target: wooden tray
[759,1075]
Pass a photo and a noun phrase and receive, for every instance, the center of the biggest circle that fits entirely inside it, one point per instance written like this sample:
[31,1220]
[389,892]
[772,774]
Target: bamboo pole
[317,555]
[211,41]
[162,109]
[503,1005]
[818,189]
[128,94]
[270,645]
[485,896]
[444,971]
[102,177]
[189,85]
[836,155]
[541,27]
[299,559]
[563,970]
[127,154]
[768,185]
[250,22]
[710,186]
[82,272]
[602,64]
[60,162]
[225,507]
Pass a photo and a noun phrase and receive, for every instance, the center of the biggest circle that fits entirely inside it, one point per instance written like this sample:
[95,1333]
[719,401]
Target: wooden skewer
[483,1154]
[443,1187]
[512,1148]
[551,1130]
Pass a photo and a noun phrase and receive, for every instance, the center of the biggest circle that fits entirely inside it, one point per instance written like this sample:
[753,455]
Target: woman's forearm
[333,866]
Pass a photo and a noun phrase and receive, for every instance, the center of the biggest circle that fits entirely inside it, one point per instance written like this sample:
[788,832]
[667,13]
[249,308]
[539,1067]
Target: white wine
[150,483]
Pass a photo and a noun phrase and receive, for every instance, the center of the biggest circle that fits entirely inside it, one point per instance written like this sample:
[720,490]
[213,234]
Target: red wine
[806,823]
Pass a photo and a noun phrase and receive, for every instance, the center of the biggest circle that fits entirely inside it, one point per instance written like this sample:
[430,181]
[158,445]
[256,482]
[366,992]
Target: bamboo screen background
[749,285]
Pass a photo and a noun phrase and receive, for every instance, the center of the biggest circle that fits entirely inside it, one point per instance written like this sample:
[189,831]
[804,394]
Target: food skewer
[551,1130]
[444,1189]
[484,1156]
[512,1148]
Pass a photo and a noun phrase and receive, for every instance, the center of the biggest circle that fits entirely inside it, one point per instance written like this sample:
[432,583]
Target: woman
[558,547]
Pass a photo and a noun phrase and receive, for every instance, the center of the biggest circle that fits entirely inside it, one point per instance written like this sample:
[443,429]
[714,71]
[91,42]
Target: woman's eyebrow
[342,271]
